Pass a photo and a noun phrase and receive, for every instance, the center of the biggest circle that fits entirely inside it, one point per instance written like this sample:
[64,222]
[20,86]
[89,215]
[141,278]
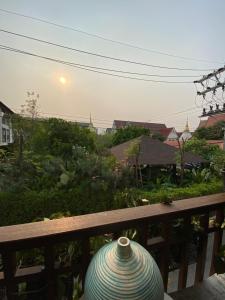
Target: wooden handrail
[23,235]
[46,234]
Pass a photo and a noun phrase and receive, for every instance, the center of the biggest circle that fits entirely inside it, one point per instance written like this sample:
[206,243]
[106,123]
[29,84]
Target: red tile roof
[219,143]
[165,131]
[212,120]
[175,144]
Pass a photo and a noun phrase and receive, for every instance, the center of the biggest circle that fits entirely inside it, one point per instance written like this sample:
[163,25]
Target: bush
[132,197]
[30,205]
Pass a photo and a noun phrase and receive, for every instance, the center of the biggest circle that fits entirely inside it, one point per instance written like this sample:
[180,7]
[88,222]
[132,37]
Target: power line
[127,72]
[106,39]
[101,55]
[100,121]
[4,47]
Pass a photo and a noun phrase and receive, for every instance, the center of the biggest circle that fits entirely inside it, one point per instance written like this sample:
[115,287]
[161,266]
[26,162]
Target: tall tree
[128,133]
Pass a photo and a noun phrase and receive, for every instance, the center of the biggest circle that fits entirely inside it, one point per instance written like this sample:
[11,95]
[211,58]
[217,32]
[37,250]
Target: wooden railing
[47,235]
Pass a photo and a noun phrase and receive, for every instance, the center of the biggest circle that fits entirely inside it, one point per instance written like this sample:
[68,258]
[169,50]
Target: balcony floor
[212,288]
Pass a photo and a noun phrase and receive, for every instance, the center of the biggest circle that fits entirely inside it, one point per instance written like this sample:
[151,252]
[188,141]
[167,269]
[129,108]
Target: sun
[62,80]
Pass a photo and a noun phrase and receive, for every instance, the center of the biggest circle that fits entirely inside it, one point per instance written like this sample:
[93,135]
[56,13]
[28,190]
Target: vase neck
[123,247]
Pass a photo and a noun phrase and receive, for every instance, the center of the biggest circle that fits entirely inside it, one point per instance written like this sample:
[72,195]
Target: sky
[188,28]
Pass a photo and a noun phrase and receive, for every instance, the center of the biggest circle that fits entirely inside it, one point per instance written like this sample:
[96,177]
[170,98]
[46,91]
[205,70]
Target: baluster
[184,257]
[50,273]
[218,235]
[201,256]
[86,257]
[164,255]
[143,234]
[9,268]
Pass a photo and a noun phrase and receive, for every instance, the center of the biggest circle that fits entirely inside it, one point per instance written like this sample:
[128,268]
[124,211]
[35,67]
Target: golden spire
[187,126]
[90,119]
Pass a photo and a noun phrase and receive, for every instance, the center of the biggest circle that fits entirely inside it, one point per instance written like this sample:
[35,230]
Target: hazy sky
[190,28]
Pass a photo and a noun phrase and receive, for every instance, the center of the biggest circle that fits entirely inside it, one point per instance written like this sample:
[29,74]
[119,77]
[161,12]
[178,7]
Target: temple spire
[90,119]
[187,126]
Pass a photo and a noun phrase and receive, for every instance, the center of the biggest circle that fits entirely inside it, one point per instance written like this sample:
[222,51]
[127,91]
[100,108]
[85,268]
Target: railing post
[50,273]
[218,235]
[9,268]
[201,256]
[182,280]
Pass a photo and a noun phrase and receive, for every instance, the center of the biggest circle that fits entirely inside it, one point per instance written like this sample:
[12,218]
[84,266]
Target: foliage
[214,132]
[134,197]
[158,136]
[218,161]
[58,137]
[130,132]
[200,147]
[104,142]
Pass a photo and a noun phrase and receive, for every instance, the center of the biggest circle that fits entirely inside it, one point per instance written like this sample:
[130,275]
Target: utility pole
[209,85]
[223,138]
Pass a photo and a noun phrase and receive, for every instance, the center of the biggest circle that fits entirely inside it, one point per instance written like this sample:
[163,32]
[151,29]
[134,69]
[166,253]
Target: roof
[165,131]
[152,126]
[202,123]
[173,143]
[5,108]
[219,143]
[212,120]
[152,152]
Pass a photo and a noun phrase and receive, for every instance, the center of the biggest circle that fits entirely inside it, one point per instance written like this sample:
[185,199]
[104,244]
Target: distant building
[88,125]
[186,135]
[211,120]
[6,134]
[169,134]
[153,127]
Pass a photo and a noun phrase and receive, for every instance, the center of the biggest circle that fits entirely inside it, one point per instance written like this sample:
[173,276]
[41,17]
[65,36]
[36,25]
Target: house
[153,127]
[152,153]
[186,134]
[219,143]
[211,120]
[6,134]
[88,125]
[169,134]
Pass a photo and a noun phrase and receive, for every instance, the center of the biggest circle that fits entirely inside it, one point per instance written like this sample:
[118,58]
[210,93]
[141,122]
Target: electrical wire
[104,38]
[105,122]
[4,47]
[101,55]
[128,72]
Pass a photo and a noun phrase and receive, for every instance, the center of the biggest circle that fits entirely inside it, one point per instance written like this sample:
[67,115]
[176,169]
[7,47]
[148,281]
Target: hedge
[195,190]
[30,205]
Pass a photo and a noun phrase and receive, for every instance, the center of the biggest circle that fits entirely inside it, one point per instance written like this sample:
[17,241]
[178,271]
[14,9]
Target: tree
[24,125]
[30,108]
[214,132]
[133,152]
[180,158]
[200,147]
[128,133]
[57,137]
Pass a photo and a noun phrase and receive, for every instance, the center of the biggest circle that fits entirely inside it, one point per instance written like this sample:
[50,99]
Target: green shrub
[132,197]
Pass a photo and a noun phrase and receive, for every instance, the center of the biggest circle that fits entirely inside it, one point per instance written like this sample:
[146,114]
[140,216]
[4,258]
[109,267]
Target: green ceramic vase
[123,270]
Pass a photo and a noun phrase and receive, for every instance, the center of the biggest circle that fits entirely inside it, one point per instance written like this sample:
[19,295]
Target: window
[8,136]
[3,135]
